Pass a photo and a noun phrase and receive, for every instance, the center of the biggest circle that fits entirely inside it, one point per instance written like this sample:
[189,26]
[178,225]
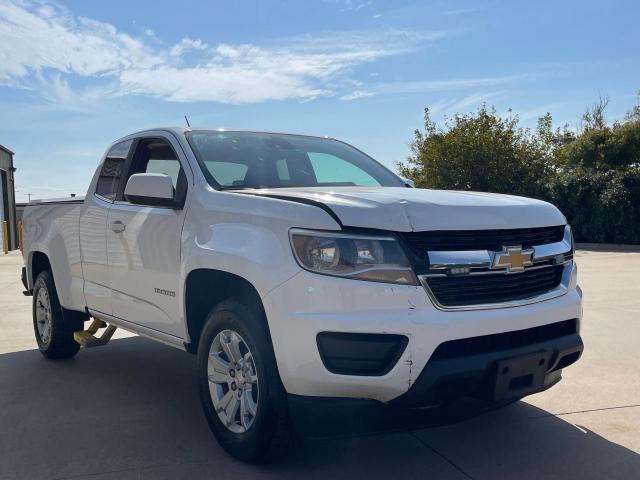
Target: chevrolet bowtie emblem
[513,259]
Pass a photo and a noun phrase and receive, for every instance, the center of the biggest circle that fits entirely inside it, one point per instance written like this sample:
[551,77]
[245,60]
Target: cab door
[144,244]
[93,226]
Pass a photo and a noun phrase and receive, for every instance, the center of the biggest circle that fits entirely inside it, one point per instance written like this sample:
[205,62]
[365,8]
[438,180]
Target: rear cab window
[112,170]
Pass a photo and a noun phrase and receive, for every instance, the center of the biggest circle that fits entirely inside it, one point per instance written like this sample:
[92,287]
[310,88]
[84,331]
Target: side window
[168,167]
[112,170]
[157,156]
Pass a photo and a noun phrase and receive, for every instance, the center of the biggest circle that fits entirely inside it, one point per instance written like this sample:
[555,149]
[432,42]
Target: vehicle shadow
[131,410]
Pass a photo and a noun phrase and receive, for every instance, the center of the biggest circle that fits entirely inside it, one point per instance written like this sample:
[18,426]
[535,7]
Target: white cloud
[55,90]
[356,95]
[43,45]
[34,37]
[45,48]
[187,45]
[225,84]
[390,41]
[460,11]
[347,5]
[247,74]
[435,86]
[441,85]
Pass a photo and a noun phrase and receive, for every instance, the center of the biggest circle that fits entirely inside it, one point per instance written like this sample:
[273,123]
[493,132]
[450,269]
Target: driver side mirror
[151,189]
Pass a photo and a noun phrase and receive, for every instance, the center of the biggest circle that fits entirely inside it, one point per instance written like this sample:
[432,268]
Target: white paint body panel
[300,309]
[53,230]
[247,234]
[144,257]
[412,209]
[93,248]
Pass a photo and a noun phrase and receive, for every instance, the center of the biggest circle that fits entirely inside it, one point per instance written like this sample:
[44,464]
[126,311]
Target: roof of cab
[183,130]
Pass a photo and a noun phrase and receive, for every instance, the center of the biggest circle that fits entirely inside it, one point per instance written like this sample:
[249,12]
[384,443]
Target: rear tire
[255,428]
[54,332]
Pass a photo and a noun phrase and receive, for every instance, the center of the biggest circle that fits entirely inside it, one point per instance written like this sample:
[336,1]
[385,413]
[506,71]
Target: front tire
[240,389]
[54,332]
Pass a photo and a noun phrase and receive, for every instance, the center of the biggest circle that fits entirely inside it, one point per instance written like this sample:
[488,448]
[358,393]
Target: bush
[601,207]
[481,152]
[607,148]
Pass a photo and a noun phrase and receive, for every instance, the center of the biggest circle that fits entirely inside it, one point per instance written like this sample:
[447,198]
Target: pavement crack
[597,409]
[442,456]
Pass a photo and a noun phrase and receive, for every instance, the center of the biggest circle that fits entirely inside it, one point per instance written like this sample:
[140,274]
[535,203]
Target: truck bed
[52,227]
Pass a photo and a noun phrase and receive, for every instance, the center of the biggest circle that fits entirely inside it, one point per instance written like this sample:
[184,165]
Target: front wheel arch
[205,288]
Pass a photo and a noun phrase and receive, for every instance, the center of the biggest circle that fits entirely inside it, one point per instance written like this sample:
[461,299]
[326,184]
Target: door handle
[118,226]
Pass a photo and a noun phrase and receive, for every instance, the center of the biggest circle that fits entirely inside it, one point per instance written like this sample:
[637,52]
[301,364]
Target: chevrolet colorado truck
[298,268]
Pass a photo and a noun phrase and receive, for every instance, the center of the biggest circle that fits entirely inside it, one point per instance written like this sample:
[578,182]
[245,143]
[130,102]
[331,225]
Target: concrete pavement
[130,409]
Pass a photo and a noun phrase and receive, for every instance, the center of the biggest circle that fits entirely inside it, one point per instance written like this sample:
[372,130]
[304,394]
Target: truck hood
[414,209]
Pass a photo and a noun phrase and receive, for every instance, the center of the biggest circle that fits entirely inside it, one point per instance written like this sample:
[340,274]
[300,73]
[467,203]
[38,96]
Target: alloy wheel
[233,381]
[43,316]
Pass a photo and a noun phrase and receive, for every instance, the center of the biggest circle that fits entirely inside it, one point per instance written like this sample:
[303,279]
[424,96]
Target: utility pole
[29,195]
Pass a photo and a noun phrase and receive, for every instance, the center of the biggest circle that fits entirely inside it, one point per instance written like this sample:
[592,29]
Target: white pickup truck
[299,269]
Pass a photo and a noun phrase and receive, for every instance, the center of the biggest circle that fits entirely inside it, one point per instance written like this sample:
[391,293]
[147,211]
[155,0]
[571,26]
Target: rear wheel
[54,332]
[240,389]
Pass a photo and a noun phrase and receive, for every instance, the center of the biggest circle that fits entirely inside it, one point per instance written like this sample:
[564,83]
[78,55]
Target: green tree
[481,151]
[601,206]
[601,147]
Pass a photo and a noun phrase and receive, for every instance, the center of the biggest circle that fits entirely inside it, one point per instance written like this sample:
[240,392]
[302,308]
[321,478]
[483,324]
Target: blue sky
[76,75]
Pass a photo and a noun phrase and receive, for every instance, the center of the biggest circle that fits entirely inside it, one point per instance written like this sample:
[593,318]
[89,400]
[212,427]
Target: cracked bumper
[309,304]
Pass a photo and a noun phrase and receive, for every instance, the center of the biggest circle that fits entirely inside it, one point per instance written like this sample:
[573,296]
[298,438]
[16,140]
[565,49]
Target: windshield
[235,160]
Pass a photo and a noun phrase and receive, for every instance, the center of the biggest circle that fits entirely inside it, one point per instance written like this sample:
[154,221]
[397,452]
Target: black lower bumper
[486,371]
[494,376]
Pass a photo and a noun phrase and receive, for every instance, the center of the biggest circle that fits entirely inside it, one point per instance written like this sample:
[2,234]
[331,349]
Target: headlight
[568,237]
[363,257]
[573,283]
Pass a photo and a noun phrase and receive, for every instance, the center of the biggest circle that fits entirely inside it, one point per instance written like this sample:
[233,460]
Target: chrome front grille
[508,274]
[465,290]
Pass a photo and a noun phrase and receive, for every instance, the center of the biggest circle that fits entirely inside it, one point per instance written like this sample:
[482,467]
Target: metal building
[7,200]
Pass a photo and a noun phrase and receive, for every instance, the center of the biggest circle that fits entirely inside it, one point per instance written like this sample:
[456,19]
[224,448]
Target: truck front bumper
[494,373]
[460,386]
[447,354]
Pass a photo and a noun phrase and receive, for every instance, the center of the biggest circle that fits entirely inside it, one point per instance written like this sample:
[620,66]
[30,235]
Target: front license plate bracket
[519,376]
